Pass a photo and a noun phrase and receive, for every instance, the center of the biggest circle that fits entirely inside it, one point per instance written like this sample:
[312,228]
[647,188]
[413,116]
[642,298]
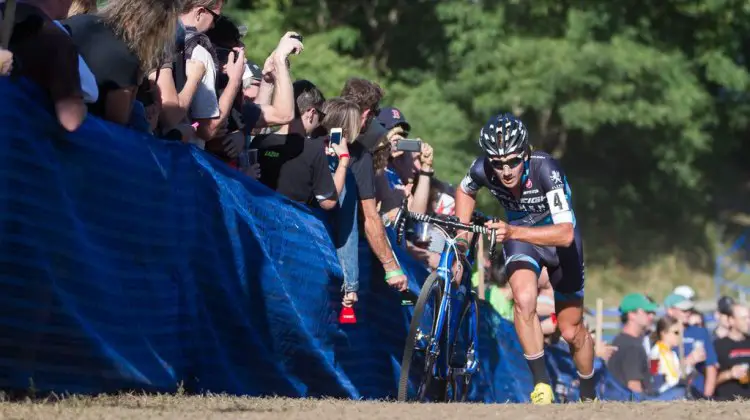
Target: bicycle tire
[453,381]
[411,340]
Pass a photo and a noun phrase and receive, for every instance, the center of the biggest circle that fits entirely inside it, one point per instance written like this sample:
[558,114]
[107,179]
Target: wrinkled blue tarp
[128,262]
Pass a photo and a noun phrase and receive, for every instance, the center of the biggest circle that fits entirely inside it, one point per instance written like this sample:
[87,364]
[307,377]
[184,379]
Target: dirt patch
[223,407]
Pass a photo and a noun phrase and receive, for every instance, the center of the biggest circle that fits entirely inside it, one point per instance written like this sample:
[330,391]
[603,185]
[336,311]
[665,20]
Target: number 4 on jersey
[557,201]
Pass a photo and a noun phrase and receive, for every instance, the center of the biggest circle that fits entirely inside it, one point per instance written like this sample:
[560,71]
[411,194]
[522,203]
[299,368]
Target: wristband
[425,173]
[344,155]
[395,273]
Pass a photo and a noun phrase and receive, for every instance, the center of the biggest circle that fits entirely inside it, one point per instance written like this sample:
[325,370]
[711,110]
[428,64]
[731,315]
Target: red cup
[654,366]
[347,316]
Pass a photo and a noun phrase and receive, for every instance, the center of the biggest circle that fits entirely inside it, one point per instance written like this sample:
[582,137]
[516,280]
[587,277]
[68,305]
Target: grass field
[223,407]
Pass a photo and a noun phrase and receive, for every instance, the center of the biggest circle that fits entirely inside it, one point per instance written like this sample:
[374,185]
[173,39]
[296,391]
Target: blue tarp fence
[132,263]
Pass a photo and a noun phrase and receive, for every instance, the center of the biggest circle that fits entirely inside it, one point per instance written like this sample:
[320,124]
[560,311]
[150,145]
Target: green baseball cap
[636,301]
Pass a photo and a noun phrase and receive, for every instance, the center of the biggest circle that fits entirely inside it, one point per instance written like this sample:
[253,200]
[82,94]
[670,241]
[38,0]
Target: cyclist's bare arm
[465,205]
[561,235]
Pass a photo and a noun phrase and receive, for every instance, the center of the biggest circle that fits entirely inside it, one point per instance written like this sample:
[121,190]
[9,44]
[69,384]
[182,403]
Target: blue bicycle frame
[450,298]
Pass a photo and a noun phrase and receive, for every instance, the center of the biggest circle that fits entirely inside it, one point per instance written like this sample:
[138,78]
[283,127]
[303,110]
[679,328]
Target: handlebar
[477,225]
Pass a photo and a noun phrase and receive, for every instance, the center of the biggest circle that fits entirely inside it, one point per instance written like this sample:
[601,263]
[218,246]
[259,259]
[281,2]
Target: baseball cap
[686,291]
[636,301]
[391,117]
[678,301]
[225,33]
[724,305]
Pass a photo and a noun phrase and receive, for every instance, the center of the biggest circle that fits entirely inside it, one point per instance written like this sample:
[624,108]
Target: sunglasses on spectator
[214,14]
[512,162]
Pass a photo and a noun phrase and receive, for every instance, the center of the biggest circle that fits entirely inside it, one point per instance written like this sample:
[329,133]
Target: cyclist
[541,232]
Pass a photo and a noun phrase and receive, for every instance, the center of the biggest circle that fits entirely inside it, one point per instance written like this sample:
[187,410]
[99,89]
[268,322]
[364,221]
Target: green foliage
[643,102]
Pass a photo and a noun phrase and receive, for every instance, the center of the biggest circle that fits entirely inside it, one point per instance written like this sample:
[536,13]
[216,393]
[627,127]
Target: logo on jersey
[555,178]
[528,183]
[396,114]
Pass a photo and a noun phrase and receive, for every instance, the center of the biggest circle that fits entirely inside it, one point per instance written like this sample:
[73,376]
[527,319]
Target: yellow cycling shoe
[542,394]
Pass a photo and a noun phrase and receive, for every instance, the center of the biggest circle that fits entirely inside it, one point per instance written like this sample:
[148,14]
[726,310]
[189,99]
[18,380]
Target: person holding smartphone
[342,122]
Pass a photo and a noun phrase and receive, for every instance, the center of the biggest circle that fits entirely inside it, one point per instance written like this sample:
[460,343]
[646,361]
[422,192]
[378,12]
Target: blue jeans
[346,234]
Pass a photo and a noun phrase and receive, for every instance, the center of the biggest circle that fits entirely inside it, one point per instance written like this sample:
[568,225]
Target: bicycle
[446,349]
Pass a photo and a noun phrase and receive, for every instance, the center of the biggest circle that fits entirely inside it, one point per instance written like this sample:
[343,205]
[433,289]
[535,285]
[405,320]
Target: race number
[557,201]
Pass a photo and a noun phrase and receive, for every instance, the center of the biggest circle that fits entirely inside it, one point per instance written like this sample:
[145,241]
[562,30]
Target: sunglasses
[214,14]
[511,163]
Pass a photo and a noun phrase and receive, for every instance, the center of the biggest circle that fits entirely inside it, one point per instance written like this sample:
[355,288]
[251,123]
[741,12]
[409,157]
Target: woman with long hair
[664,360]
[122,43]
[343,114]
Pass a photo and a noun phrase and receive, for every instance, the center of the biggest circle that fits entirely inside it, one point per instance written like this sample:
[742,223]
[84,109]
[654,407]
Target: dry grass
[656,279]
[221,407]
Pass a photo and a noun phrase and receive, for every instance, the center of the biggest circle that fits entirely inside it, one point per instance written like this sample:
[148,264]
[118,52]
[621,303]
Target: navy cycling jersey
[545,193]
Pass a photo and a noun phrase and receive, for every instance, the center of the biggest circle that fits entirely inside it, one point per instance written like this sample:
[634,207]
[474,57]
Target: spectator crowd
[177,70]
[676,356]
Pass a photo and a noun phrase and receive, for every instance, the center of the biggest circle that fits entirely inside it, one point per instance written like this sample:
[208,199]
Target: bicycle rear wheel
[416,360]
[462,351]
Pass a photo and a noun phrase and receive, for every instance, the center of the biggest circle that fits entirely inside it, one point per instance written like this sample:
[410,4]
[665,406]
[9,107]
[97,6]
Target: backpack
[184,50]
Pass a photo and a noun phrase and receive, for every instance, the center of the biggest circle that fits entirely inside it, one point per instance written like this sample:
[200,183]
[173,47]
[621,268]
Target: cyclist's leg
[568,282]
[523,268]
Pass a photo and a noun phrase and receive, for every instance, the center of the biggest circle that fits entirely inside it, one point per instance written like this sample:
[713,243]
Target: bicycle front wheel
[417,362]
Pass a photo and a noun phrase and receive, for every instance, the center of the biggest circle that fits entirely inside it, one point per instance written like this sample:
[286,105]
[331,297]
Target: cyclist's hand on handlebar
[501,229]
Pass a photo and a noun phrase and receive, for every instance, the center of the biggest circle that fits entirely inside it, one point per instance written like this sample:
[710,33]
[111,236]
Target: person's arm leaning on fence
[364,174]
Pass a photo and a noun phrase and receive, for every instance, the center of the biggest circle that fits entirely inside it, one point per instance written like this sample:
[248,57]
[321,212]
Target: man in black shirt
[292,163]
[367,96]
[733,352]
[629,365]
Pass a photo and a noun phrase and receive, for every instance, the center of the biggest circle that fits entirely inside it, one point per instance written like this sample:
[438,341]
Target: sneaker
[542,394]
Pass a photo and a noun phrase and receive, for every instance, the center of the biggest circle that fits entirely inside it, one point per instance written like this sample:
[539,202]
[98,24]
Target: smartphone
[298,38]
[252,156]
[294,51]
[409,145]
[335,136]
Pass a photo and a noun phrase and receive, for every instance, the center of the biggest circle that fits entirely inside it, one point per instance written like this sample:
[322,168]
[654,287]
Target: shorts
[564,265]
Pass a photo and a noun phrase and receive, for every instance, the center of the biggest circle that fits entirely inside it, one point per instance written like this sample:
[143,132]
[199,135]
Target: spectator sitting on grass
[667,338]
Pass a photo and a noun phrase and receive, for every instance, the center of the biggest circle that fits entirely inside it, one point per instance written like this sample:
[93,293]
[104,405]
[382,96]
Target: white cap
[685,291]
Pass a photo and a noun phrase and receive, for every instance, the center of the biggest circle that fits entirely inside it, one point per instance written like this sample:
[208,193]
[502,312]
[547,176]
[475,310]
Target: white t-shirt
[88,81]
[205,104]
